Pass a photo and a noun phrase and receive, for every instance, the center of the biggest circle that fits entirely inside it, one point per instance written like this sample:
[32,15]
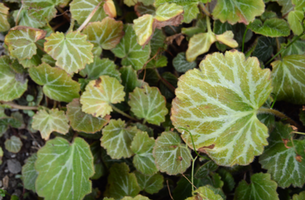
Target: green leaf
[81,9]
[295,20]
[148,103]
[1,155]
[299,196]
[205,193]
[5,122]
[117,139]
[190,12]
[171,156]
[48,121]
[121,183]
[179,2]
[64,169]
[218,105]
[302,116]
[158,61]
[29,174]
[57,85]
[228,180]
[280,159]
[21,41]
[286,6]
[296,47]
[205,169]
[150,184]
[13,84]
[83,122]
[142,145]
[142,9]
[157,43]
[48,60]
[129,78]
[100,94]
[172,80]
[26,18]
[181,64]
[130,51]
[143,27]
[288,79]
[261,187]
[13,144]
[271,27]
[138,197]
[238,10]
[105,34]
[71,51]
[4,25]
[264,48]
[101,67]
[168,14]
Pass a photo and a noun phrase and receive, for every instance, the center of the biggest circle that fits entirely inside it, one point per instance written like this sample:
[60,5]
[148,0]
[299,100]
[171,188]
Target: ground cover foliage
[153,99]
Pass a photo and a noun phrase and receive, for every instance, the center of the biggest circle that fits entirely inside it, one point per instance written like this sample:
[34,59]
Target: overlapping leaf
[294,48]
[264,48]
[5,122]
[64,169]
[57,84]
[121,183]
[296,17]
[100,94]
[29,174]
[288,79]
[13,84]
[218,105]
[13,144]
[138,197]
[130,51]
[280,157]
[143,160]
[4,25]
[261,187]
[26,18]
[117,139]
[48,121]
[273,27]
[105,34]
[238,10]
[71,51]
[205,193]
[181,64]
[299,196]
[150,184]
[148,103]
[129,78]
[83,122]
[171,156]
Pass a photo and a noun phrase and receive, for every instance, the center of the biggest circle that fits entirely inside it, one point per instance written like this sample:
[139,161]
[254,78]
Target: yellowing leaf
[227,39]
[218,105]
[143,27]
[48,121]
[109,8]
[205,193]
[100,94]
[71,51]
[168,11]
[4,25]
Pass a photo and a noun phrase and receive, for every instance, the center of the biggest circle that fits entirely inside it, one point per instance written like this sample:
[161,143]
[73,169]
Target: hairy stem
[16,106]
[123,113]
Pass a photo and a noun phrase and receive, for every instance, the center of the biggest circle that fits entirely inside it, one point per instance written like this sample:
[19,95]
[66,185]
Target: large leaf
[143,146]
[148,103]
[57,84]
[205,193]
[48,121]
[280,157]
[100,94]
[150,184]
[71,51]
[64,169]
[29,174]
[83,122]
[121,183]
[13,144]
[80,10]
[261,187]
[13,84]
[4,25]
[117,139]
[273,27]
[21,41]
[243,11]
[288,79]
[218,105]
[105,34]
[171,156]
[130,51]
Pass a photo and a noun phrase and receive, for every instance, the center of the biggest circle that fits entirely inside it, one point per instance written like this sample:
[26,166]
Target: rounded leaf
[150,184]
[13,144]
[4,25]
[218,105]
[143,27]
[273,27]
[29,174]
[205,193]
[181,64]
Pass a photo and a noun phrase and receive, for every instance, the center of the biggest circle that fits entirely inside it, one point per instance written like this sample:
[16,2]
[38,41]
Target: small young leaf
[130,51]
[171,156]
[281,161]
[57,84]
[181,64]
[148,103]
[13,144]
[71,51]
[59,164]
[29,174]
[238,10]
[5,122]
[288,79]
[300,196]
[100,94]
[218,105]
[261,187]
[190,12]
[1,155]
[121,183]
[143,160]
[205,193]
[117,139]
[271,27]
[48,121]
[150,184]
[295,20]
[83,122]
[4,25]
[105,34]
